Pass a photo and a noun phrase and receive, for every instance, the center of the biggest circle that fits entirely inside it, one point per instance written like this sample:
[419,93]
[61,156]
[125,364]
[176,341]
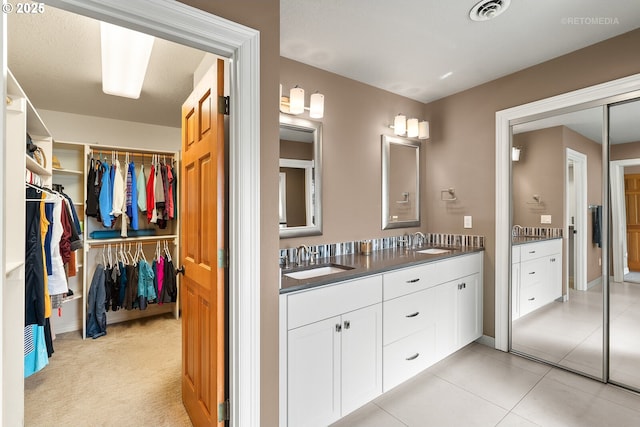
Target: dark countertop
[519,240]
[365,265]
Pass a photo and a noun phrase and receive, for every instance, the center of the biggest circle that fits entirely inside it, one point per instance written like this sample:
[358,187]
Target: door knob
[180,270]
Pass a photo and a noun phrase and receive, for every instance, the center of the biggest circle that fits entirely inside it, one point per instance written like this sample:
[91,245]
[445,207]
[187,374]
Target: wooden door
[632,200]
[202,196]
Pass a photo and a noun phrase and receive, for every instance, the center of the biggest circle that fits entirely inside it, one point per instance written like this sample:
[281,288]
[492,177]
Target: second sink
[434,251]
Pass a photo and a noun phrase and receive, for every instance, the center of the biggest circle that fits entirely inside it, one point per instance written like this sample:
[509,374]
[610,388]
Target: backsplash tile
[351,247]
[538,232]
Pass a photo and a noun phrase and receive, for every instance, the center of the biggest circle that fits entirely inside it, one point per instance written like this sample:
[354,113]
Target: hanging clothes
[141,190]
[169,286]
[175,192]
[160,276]
[92,197]
[96,313]
[44,226]
[151,203]
[170,204]
[34,262]
[106,197]
[35,350]
[57,278]
[146,290]
[132,196]
[118,190]
[131,294]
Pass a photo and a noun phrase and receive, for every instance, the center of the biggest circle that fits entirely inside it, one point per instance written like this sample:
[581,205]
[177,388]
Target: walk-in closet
[101,249]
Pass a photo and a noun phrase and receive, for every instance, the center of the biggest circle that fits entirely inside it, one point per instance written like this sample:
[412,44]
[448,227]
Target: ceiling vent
[488,9]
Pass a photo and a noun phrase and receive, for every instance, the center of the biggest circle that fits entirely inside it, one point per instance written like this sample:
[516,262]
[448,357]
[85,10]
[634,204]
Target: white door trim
[580,242]
[193,27]
[503,182]
[619,217]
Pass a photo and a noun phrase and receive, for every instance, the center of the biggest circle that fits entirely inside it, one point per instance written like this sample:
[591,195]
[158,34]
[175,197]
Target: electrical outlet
[545,219]
[468,221]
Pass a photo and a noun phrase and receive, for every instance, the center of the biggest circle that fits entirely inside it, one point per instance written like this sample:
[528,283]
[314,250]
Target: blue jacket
[96,312]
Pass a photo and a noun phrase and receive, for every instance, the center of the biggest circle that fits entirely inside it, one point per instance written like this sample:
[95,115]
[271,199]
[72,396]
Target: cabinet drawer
[321,303]
[407,357]
[409,314]
[533,272]
[539,249]
[532,298]
[408,280]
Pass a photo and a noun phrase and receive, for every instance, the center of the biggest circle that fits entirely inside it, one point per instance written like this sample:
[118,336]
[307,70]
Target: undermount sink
[434,251]
[320,270]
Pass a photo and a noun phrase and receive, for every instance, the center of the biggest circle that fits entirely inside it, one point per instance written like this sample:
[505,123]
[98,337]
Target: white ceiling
[402,46]
[55,56]
[405,46]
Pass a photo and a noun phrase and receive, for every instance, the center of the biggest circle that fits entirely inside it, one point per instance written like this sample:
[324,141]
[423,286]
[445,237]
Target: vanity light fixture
[412,128]
[294,103]
[515,154]
[125,57]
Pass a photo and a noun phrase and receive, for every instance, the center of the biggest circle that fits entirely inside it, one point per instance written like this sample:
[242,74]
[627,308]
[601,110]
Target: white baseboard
[487,340]
[595,282]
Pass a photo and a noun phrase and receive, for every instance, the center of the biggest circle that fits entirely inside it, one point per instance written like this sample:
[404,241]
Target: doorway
[183,24]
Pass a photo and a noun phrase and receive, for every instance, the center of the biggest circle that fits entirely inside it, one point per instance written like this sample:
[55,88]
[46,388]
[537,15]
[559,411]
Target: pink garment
[160,274]
[169,204]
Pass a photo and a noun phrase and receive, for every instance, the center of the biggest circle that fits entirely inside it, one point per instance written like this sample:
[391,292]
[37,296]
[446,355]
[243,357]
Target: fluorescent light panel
[125,57]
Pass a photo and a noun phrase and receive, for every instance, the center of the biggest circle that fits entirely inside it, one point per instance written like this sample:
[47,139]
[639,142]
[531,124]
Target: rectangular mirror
[400,183]
[300,204]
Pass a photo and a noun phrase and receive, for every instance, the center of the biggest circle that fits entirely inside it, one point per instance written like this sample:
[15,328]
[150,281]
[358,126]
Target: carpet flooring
[130,377]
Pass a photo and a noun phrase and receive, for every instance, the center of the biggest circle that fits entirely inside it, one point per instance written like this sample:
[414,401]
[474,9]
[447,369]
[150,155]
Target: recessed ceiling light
[488,9]
[445,75]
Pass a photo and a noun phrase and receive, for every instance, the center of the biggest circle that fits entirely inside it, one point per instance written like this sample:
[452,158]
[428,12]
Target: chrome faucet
[419,237]
[299,250]
[516,229]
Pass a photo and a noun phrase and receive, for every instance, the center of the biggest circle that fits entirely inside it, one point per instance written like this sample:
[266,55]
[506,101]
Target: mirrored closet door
[624,287]
[557,283]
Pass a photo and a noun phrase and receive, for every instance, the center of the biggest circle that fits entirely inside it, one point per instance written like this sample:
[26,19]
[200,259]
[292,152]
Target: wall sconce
[515,154]
[411,128]
[294,103]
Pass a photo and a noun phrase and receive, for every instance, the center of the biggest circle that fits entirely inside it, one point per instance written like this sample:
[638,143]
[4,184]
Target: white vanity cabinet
[333,351]
[430,311]
[540,275]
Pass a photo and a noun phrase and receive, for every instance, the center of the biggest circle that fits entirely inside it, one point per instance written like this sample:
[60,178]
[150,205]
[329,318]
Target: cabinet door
[361,357]
[469,304]
[447,323]
[314,373]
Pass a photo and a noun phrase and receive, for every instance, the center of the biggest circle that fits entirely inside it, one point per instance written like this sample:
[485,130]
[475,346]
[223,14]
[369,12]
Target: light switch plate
[468,221]
[545,219]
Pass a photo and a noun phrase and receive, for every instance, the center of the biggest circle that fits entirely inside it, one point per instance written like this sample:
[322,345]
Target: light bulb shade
[125,57]
[400,124]
[316,106]
[412,128]
[296,98]
[423,130]
[515,154]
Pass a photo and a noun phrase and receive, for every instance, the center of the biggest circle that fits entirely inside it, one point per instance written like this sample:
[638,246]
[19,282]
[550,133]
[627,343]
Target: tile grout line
[390,414]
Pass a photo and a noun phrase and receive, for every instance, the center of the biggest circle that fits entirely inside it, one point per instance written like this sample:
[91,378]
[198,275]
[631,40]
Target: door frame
[619,217]
[580,243]
[591,96]
[241,45]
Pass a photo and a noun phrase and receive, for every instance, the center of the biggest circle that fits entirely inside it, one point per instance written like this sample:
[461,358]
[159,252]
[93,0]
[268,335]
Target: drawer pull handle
[347,324]
[532,252]
[338,327]
[413,281]
[413,314]
[553,260]
[533,272]
[414,357]
[532,298]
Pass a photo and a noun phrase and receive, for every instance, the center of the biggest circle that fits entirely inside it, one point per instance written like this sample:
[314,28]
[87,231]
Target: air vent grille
[488,9]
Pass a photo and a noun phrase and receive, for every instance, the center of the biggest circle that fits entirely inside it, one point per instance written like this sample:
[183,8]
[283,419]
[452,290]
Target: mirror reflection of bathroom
[557,286]
[624,289]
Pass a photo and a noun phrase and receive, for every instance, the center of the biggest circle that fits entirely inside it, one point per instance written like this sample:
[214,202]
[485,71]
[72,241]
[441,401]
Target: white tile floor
[480,386]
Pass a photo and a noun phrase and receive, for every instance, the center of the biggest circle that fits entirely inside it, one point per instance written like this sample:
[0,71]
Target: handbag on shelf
[36,153]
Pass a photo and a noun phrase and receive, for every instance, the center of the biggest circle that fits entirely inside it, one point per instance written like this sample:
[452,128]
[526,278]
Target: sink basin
[434,251]
[321,270]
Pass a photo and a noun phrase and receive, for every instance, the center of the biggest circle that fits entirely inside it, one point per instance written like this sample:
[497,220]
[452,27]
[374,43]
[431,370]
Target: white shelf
[67,172]
[73,297]
[34,167]
[131,239]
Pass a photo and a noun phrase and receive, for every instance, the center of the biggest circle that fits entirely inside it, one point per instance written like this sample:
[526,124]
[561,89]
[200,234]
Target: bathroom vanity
[347,337]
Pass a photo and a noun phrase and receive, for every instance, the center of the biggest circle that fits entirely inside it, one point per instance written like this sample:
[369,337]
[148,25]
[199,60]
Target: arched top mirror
[300,190]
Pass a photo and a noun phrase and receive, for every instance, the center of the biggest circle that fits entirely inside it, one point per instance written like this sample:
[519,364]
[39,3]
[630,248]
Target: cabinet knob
[347,324]
[338,327]
[413,314]
[414,357]
[413,280]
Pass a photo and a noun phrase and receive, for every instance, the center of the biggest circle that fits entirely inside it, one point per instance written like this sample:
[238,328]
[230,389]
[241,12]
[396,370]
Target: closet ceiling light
[125,57]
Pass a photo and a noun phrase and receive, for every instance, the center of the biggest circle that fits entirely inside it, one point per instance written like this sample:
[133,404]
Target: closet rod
[131,153]
[146,242]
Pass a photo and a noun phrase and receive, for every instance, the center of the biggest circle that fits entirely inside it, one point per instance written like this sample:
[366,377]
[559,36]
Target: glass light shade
[316,106]
[125,57]
[423,130]
[296,98]
[515,154]
[412,128]
[400,124]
